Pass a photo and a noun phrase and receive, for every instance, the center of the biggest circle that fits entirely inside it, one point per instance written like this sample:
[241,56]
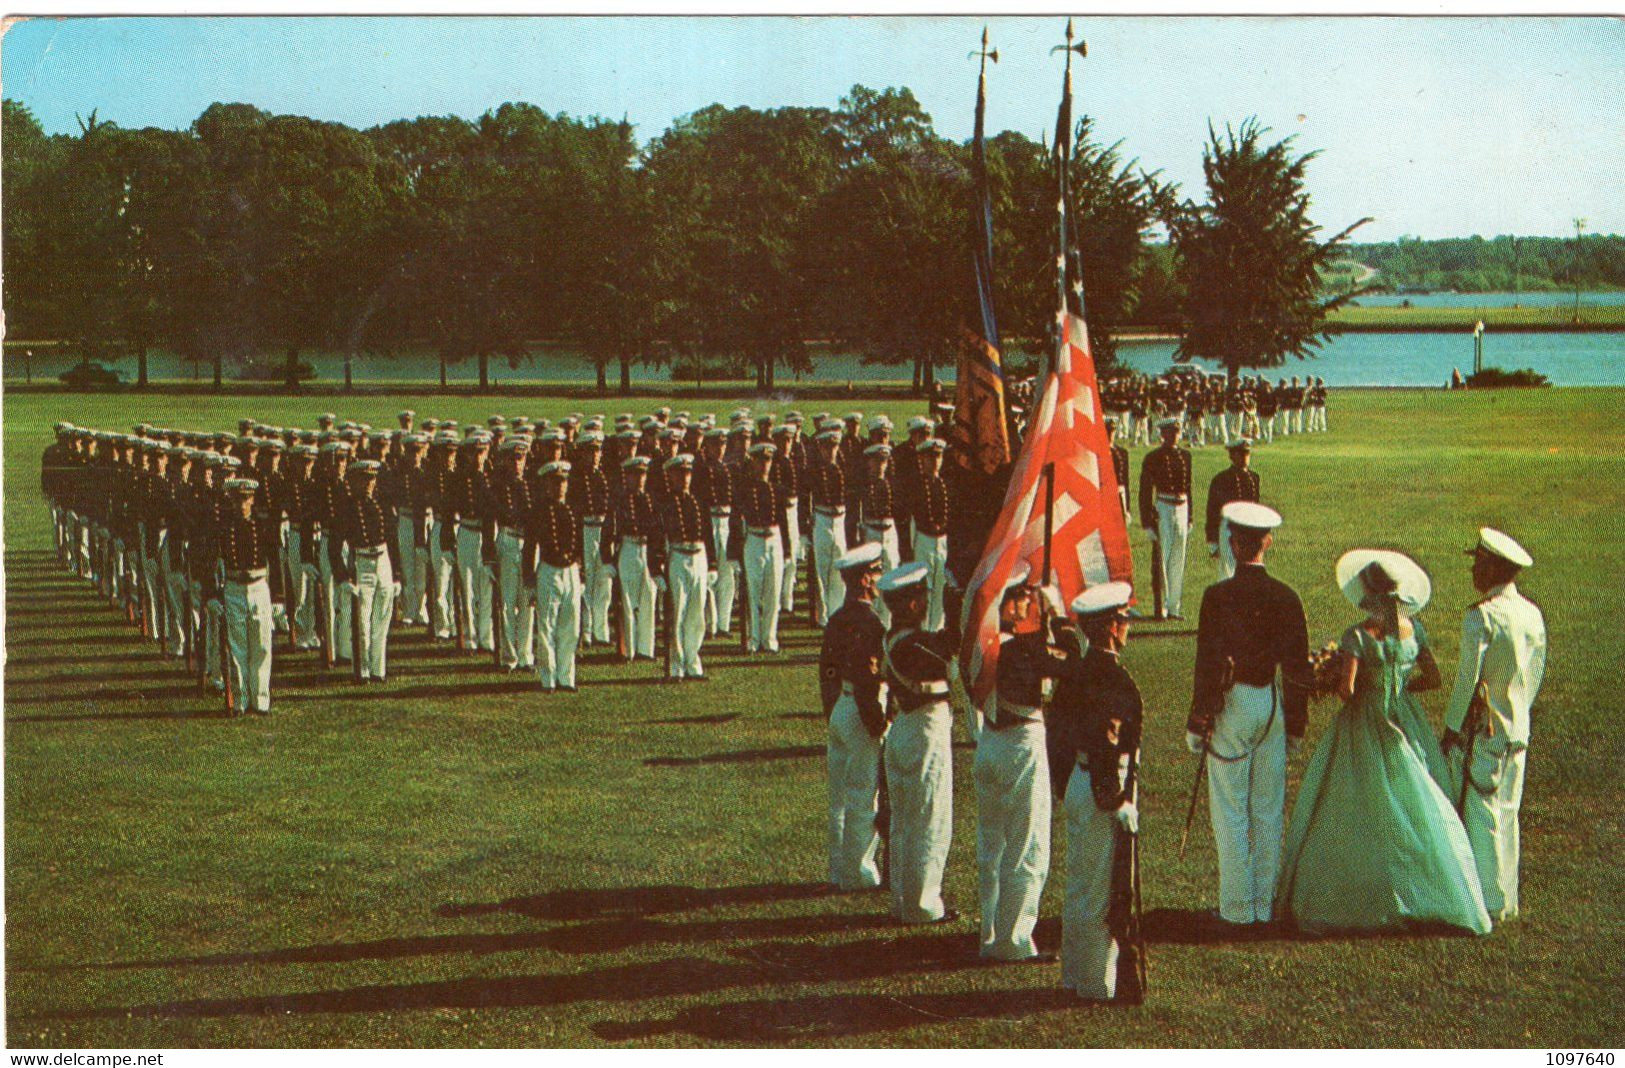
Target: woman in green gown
[1374,842]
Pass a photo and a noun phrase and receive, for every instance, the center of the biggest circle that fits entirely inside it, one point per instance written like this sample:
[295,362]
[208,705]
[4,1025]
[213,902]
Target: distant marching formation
[1213,409]
[522,539]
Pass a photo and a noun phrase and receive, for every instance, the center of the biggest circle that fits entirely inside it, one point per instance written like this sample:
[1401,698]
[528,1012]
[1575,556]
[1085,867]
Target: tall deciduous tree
[1250,258]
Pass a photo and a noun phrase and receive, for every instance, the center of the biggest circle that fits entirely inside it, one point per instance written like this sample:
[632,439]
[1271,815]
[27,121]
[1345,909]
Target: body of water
[1421,359]
[1551,298]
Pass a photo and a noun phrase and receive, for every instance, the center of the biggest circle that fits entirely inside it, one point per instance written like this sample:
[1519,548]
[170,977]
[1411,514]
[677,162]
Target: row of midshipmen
[521,538]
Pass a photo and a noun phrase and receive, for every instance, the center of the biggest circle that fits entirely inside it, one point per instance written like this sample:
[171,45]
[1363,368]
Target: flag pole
[1049,515]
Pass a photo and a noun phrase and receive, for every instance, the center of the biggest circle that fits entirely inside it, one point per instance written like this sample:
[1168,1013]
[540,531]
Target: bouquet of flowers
[1326,665]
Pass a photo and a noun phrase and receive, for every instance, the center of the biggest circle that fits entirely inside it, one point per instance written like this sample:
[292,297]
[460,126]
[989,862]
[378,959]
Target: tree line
[723,246]
[1499,264]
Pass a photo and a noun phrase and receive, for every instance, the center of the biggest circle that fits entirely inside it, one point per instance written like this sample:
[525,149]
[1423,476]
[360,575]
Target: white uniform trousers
[1012,836]
[1173,530]
[374,586]
[214,646]
[933,552]
[336,603]
[518,624]
[828,543]
[637,598]
[1491,816]
[597,583]
[558,624]
[175,608]
[853,756]
[122,574]
[474,585]
[1088,950]
[414,568]
[442,567]
[920,780]
[886,534]
[147,576]
[792,557]
[248,637]
[81,547]
[1227,555]
[764,570]
[1297,420]
[301,600]
[723,583]
[686,574]
[1247,800]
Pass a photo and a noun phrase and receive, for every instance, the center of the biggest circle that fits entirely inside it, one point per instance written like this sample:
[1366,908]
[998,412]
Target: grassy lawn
[452,860]
[1560,317]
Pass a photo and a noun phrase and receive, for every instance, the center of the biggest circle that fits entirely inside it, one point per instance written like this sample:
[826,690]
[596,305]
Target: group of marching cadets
[524,539]
[889,690]
[1214,408]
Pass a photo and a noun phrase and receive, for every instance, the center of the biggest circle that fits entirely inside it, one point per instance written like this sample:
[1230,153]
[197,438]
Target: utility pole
[1517,275]
[1579,232]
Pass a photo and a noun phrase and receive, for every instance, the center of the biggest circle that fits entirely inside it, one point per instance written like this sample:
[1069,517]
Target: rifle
[1124,913]
[670,627]
[746,621]
[883,817]
[143,601]
[1227,678]
[228,661]
[498,614]
[1157,579]
[457,601]
[1471,724]
[431,578]
[162,612]
[188,638]
[288,573]
[815,597]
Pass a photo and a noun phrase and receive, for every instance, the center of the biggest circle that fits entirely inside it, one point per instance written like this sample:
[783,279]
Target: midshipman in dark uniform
[852,685]
[1238,482]
[1165,513]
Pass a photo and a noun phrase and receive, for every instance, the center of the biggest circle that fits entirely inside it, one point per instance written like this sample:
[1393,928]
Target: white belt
[762,532]
[883,524]
[509,532]
[1172,498]
[635,539]
[721,511]
[689,547]
[833,513]
[592,520]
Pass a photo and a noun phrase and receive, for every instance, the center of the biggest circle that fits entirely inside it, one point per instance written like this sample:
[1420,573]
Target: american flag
[1065,451]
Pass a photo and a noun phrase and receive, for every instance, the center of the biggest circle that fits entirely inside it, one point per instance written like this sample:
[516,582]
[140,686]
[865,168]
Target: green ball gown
[1374,842]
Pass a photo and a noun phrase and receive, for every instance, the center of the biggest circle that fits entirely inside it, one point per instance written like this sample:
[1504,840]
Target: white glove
[1213,549]
[1128,817]
[490,575]
[397,590]
[1292,746]
[660,583]
[1195,743]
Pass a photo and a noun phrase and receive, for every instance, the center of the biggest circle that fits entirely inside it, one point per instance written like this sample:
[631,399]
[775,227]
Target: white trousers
[1173,531]
[375,603]
[414,568]
[1297,420]
[1247,801]
[637,598]
[764,570]
[723,584]
[301,598]
[442,566]
[337,603]
[686,578]
[175,607]
[248,637]
[1491,816]
[474,586]
[854,798]
[1088,950]
[1012,837]
[1227,555]
[518,624]
[558,624]
[919,777]
[792,557]
[597,585]
[828,543]
[933,552]
[886,535]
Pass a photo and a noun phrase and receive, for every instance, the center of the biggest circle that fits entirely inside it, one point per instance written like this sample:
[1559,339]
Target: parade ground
[453,859]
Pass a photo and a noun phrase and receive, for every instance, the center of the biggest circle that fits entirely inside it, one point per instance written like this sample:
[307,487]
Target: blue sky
[1437,127]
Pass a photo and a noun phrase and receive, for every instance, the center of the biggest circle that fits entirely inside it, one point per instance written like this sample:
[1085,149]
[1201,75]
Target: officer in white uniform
[1013,779]
[1094,737]
[918,748]
[1503,660]
[1249,709]
[853,688]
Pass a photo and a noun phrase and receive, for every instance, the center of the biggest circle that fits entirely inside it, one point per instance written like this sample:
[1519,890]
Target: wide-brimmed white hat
[1412,587]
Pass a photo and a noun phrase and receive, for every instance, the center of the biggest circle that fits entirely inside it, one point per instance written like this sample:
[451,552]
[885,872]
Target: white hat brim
[1414,590]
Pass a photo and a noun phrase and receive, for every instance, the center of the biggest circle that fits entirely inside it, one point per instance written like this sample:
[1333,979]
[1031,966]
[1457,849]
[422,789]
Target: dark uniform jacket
[243,544]
[916,665]
[853,651]
[635,517]
[361,522]
[687,522]
[1165,470]
[1025,661]
[552,536]
[931,506]
[1250,626]
[1094,720]
[759,504]
[1228,485]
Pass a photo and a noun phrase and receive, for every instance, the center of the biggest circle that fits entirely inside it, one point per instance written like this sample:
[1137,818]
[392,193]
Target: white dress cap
[1251,515]
[1106,599]
[904,576]
[1496,543]
[864,555]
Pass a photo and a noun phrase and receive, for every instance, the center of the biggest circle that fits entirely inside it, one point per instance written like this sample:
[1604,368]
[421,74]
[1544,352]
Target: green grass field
[453,860]
[1557,318]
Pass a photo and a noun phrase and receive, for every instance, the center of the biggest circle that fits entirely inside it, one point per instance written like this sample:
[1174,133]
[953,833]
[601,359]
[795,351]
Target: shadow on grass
[591,903]
[599,936]
[703,721]
[820,1018]
[757,965]
[1199,927]
[742,756]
